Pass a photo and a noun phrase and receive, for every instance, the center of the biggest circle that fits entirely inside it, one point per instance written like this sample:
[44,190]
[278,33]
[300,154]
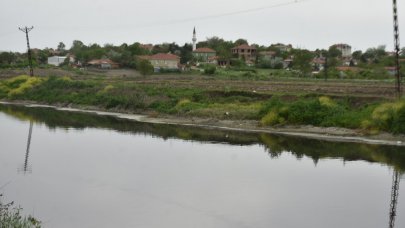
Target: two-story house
[204,55]
[246,52]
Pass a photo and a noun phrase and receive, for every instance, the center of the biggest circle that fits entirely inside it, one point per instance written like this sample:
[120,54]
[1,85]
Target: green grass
[306,109]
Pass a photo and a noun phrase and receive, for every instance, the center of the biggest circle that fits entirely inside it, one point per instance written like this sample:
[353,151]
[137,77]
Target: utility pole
[394,198]
[397,50]
[26,30]
[326,68]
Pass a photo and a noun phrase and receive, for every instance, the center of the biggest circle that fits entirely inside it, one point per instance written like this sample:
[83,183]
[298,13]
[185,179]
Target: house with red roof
[204,54]
[163,61]
[246,52]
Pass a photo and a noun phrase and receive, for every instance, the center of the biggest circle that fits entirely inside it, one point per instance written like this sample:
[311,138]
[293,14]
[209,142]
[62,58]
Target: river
[72,169]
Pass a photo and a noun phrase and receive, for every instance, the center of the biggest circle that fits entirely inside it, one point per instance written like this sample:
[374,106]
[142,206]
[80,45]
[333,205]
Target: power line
[26,30]
[213,16]
[184,20]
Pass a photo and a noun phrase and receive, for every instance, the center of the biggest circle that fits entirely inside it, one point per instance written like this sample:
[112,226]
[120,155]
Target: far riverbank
[305,131]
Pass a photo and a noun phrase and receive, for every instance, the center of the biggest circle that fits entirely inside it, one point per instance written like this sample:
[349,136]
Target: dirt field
[368,89]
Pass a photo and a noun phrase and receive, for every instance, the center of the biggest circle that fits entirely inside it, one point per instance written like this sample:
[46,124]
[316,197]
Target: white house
[56,60]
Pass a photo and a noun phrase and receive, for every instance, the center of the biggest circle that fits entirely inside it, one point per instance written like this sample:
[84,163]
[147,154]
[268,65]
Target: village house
[204,55]
[391,70]
[59,60]
[318,63]
[103,64]
[163,61]
[267,54]
[282,47]
[288,62]
[56,60]
[246,52]
[148,47]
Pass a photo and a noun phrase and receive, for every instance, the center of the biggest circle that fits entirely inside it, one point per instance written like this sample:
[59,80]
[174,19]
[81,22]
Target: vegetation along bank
[186,99]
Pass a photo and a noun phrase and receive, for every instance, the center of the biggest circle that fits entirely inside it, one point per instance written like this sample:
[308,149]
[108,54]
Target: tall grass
[325,112]
[10,217]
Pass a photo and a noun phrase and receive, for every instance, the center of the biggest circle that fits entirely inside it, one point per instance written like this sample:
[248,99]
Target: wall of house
[56,60]
[247,54]
[165,64]
[203,57]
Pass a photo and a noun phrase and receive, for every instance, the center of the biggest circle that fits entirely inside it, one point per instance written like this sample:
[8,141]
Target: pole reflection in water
[394,198]
[26,168]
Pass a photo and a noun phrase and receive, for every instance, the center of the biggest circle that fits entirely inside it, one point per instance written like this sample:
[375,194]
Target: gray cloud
[309,24]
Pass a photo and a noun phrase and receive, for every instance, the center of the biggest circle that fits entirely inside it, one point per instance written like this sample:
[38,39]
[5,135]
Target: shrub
[327,102]
[272,118]
[383,116]
[10,217]
[398,122]
[210,69]
[145,67]
[273,103]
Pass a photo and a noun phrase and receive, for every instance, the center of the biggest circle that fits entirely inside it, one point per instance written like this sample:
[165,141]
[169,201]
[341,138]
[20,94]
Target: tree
[61,47]
[334,52]
[374,55]
[222,47]
[7,58]
[302,61]
[357,55]
[240,42]
[186,54]
[42,56]
[136,49]
[145,67]
[78,49]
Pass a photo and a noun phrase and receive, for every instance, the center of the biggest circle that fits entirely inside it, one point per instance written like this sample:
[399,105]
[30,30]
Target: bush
[321,111]
[272,118]
[399,121]
[10,217]
[210,69]
[145,67]
[387,115]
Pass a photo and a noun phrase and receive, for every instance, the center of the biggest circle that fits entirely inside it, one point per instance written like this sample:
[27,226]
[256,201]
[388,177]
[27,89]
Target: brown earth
[366,89]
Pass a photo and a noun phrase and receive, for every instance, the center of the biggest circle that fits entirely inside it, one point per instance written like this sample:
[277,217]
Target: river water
[83,170]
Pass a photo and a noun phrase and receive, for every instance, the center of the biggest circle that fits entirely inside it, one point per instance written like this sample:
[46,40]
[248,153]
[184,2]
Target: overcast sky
[307,24]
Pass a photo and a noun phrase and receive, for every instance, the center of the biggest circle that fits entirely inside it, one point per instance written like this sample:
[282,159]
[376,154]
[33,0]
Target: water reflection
[26,168]
[275,146]
[396,177]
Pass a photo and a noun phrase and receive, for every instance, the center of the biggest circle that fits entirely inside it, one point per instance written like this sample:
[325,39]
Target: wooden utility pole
[26,30]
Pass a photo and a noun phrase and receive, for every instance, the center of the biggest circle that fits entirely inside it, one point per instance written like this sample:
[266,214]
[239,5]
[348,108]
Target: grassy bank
[227,103]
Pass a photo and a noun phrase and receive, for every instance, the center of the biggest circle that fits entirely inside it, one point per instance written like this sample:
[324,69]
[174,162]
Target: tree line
[126,55]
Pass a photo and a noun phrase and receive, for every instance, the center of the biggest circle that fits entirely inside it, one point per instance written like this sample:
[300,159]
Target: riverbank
[232,105]
[313,132]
